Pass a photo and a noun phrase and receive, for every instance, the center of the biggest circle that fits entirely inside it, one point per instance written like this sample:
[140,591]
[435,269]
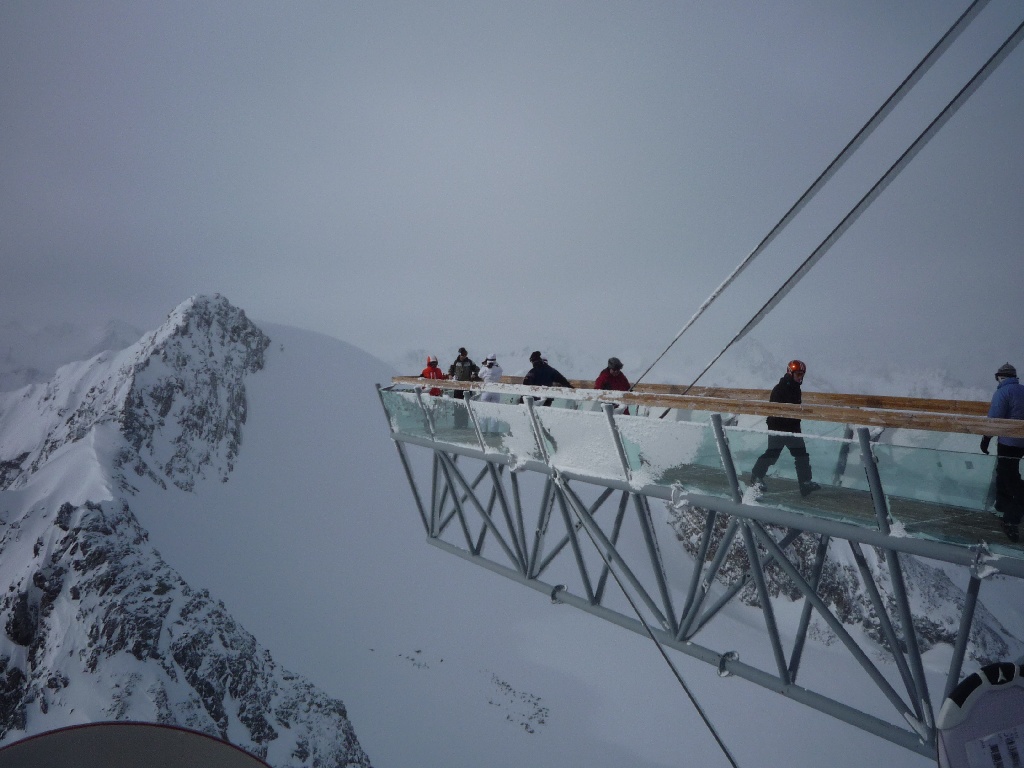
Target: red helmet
[797,366]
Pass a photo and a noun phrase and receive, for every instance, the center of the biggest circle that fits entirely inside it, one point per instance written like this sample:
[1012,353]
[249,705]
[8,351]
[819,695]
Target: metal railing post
[899,589]
[476,424]
[609,413]
[538,430]
[426,413]
[867,457]
[726,456]
[844,454]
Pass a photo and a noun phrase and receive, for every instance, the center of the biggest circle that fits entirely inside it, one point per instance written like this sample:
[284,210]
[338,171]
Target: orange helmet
[797,366]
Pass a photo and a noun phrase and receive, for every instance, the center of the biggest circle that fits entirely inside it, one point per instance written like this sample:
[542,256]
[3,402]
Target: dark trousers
[776,443]
[461,414]
[1009,486]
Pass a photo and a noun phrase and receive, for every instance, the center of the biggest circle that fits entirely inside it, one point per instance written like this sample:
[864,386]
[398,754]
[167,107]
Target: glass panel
[664,453]
[952,478]
[919,438]
[944,495]
[452,423]
[580,441]
[938,485]
[405,414]
[835,466]
[507,429]
[748,445]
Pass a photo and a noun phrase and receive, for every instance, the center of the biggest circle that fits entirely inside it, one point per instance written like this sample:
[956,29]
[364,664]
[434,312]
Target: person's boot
[808,488]
[1012,531]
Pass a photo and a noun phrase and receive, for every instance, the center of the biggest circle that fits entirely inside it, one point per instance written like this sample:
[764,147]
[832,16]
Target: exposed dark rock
[127,601]
[22,619]
[11,468]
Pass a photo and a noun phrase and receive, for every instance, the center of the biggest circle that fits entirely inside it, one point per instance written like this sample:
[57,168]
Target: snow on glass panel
[405,413]
[665,453]
[451,420]
[507,429]
[581,441]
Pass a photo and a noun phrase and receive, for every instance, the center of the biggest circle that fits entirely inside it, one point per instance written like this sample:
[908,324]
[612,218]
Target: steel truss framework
[476,505]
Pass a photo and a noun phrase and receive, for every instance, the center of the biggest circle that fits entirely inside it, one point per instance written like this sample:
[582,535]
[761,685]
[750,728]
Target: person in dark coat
[543,375]
[463,369]
[786,391]
[1008,403]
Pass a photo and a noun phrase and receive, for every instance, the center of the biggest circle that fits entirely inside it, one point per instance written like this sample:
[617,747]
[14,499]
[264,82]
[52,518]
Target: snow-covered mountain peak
[177,397]
[94,623]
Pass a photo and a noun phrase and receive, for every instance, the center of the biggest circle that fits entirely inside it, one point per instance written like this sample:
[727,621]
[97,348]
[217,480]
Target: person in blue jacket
[1008,403]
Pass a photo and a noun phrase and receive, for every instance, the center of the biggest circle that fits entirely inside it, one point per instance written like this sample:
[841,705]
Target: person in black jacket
[543,375]
[786,391]
[463,369]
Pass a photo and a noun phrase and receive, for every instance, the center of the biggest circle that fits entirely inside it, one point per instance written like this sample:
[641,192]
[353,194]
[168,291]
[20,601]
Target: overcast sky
[407,175]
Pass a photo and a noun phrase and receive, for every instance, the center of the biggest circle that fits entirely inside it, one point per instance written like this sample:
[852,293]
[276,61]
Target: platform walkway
[936,484]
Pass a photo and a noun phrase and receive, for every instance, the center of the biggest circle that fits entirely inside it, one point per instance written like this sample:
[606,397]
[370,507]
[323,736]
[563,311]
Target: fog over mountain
[208,527]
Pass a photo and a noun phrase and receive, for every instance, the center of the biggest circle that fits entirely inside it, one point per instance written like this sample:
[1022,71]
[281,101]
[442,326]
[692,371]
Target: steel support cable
[866,130]
[576,504]
[894,170]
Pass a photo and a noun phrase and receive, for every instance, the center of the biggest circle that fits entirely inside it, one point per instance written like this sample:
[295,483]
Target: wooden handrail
[958,416]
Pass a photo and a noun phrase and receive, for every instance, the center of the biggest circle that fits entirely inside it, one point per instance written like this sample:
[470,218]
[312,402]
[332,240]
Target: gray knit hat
[1006,370]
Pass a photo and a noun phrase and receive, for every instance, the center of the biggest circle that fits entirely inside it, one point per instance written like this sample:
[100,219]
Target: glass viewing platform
[933,481]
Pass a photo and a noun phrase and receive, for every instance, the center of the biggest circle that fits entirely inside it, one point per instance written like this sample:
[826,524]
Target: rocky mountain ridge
[96,626]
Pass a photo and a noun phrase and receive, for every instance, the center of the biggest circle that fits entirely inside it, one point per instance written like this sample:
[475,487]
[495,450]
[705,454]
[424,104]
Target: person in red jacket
[612,377]
[432,371]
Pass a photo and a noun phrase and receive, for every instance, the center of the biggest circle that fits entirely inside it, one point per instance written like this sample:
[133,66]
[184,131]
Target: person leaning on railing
[463,369]
[613,378]
[543,375]
[1008,403]
[432,371]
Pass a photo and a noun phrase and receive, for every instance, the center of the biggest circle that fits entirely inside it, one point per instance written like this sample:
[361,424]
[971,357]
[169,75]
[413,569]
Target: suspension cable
[943,117]
[866,130]
[570,496]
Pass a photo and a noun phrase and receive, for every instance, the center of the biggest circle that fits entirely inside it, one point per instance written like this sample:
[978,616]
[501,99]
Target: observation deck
[934,484]
[528,492]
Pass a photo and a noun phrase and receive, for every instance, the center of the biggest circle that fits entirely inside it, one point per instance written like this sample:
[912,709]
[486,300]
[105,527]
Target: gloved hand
[984,443]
